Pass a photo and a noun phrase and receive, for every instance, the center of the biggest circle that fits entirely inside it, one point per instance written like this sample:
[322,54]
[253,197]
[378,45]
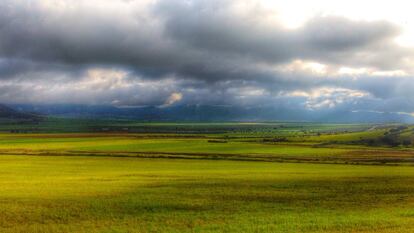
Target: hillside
[9,113]
[212,113]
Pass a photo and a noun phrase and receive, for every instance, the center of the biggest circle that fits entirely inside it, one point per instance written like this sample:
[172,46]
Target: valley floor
[110,194]
[228,177]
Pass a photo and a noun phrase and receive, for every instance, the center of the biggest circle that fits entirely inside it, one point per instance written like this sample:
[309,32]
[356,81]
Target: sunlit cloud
[173,98]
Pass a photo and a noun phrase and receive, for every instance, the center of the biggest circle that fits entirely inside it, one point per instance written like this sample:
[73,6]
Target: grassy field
[338,147]
[106,194]
[204,177]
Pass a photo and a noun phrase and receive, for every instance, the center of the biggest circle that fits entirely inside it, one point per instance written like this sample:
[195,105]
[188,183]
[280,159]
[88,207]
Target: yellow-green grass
[107,194]
[345,137]
[157,145]
[131,143]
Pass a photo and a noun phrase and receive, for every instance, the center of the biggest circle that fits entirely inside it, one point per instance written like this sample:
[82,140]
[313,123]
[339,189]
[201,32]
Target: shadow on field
[186,204]
[353,157]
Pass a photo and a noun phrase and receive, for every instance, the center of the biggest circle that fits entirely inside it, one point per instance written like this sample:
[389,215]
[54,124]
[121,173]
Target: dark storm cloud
[185,37]
[213,26]
[210,51]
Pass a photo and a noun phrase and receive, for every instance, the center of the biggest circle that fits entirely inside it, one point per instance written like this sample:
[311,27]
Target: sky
[355,56]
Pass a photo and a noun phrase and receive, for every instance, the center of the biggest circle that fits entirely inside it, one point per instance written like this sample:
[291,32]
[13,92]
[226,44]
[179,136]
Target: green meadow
[120,176]
[149,144]
[107,194]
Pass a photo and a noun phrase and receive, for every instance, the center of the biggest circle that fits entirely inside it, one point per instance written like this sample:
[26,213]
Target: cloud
[221,26]
[134,53]
[173,98]
[328,97]
[180,36]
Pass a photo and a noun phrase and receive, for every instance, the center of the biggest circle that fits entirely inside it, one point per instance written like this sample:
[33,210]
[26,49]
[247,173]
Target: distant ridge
[9,113]
[212,113]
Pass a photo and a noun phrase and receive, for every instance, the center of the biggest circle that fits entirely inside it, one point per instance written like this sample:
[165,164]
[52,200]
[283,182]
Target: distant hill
[10,113]
[213,113]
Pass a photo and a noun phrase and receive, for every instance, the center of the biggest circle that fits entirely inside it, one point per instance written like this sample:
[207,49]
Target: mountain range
[200,113]
[7,112]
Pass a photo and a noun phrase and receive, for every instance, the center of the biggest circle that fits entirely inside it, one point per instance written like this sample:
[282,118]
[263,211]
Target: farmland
[124,176]
[290,142]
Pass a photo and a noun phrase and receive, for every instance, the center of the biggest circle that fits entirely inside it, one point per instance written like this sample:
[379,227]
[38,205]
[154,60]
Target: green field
[106,194]
[125,176]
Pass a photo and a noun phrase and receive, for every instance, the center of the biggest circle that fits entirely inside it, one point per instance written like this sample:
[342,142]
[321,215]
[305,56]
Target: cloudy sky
[314,55]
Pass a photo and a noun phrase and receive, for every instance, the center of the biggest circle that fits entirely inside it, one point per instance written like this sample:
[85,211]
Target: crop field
[122,176]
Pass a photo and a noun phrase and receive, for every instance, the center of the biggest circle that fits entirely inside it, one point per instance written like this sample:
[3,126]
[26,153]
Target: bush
[406,142]
[390,141]
[216,141]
